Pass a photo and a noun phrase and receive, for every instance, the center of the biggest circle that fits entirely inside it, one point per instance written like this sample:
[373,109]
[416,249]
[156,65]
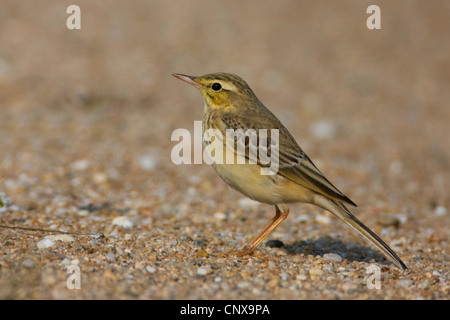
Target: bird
[230,104]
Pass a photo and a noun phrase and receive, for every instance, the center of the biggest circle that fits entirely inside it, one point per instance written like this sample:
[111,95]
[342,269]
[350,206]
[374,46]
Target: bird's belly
[270,189]
[246,179]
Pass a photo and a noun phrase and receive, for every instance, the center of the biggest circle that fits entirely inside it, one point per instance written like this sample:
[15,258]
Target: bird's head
[221,90]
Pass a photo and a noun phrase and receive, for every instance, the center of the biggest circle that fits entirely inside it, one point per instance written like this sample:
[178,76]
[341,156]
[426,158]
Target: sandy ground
[85,139]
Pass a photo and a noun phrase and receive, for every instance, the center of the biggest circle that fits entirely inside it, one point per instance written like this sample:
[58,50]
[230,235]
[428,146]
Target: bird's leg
[280,216]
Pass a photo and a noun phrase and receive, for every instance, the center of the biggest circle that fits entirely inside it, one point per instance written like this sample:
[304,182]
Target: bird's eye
[216,86]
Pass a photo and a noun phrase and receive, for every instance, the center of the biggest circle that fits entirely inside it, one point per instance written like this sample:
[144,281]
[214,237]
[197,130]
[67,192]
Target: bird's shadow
[347,250]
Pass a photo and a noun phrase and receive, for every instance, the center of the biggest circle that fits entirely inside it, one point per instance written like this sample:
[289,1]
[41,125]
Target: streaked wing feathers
[294,164]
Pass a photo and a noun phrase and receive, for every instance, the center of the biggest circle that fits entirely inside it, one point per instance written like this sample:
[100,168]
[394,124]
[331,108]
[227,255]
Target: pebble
[247,203]
[332,257]
[274,244]
[201,254]
[203,271]
[388,220]
[61,237]
[28,263]
[322,219]
[100,178]
[404,283]
[65,262]
[80,165]
[75,262]
[425,284]
[273,283]
[284,276]
[301,277]
[124,222]
[200,242]
[323,129]
[302,218]
[150,269]
[315,272]
[128,237]
[349,287]
[148,162]
[244,285]
[110,256]
[440,211]
[220,216]
[4,200]
[441,277]
[45,243]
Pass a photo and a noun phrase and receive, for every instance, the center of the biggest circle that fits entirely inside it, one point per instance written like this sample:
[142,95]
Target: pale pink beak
[188,79]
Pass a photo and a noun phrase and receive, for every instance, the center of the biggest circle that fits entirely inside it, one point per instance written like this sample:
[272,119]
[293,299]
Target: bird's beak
[188,79]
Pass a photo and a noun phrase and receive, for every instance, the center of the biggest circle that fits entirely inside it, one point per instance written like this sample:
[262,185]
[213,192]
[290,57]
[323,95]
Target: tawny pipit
[231,104]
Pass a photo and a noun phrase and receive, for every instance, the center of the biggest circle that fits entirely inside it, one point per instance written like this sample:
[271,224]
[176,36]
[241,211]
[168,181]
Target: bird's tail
[339,209]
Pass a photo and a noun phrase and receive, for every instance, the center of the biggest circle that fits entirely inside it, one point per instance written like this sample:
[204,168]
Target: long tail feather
[339,209]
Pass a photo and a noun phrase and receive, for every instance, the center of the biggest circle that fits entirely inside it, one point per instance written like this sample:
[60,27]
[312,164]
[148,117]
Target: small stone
[323,129]
[200,242]
[281,253]
[75,262]
[302,218]
[148,162]
[332,257]
[61,237]
[28,263]
[247,203]
[349,287]
[150,269]
[273,283]
[284,276]
[4,200]
[203,271]
[440,211]
[220,216]
[201,254]
[274,244]
[315,272]
[83,213]
[322,219]
[65,262]
[301,277]
[110,256]
[45,243]
[425,284]
[318,261]
[244,285]
[363,296]
[388,220]
[124,222]
[100,178]
[80,165]
[404,283]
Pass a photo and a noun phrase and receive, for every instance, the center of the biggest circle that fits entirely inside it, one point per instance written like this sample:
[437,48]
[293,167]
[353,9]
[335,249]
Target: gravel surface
[88,188]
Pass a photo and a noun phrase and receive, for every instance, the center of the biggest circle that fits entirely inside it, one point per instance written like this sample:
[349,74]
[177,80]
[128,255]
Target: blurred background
[86,115]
